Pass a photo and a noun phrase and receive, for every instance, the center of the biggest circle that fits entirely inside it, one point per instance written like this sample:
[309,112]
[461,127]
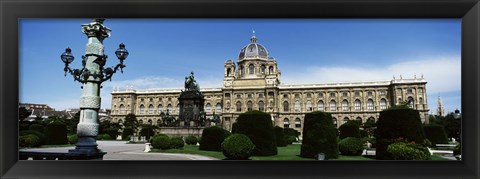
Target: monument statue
[191,103]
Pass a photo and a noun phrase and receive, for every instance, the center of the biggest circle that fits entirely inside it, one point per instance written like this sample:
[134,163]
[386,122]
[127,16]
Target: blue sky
[164,51]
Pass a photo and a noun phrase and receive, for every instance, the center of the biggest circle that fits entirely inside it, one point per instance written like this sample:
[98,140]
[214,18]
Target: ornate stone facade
[253,83]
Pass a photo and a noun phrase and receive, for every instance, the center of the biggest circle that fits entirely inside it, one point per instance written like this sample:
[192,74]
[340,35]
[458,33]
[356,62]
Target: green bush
[56,133]
[258,127]
[191,140]
[36,127]
[176,143]
[234,128]
[363,133]
[290,132]
[394,123]
[40,136]
[279,136]
[319,136]
[290,139]
[212,138]
[104,137]
[112,132]
[349,129]
[408,151]
[237,147]
[350,146]
[147,131]
[435,134]
[72,139]
[29,140]
[458,149]
[161,142]
[127,132]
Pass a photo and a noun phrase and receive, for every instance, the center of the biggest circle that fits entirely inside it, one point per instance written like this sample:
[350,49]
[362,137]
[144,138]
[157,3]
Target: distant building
[440,107]
[253,83]
[44,112]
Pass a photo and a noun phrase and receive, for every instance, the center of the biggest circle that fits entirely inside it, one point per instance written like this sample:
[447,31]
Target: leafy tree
[131,121]
[370,126]
[147,131]
[72,123]
[23,113]
[453,126]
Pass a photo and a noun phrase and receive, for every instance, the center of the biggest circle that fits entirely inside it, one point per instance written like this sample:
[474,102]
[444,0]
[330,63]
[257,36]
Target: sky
[164,51]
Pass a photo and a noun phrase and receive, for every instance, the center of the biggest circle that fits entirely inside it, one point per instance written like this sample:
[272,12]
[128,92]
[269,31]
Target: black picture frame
[467,10]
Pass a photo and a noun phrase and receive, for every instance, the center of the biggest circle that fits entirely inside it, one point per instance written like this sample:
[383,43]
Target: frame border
[12,11]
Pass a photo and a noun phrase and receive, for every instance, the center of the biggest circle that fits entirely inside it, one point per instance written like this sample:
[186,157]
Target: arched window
[298,123]
[249,105]
[150,109]
[344,105]
[263,69]
[150,122]
[309,106]
[169,107]
[333,105]
[334,121]
[251,69]
[208,108]
[358,105]
[383,104]
[321,105]
[218,108]
[142,109]
[140,121]
[120,121]
[160,108]
[177,109]
[346,119]
[410,102]
[270,70]
[122,109]
[229,71]
[285,106]
[371,119]
[369,104]
[261,106]
[297,106]
[239,106]
[286,123]
[359,119]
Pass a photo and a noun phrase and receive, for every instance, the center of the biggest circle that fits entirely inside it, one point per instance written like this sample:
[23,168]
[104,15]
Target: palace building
[253,83]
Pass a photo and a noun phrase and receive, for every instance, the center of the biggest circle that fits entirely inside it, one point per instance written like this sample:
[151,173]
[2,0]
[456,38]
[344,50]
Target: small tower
[440,109]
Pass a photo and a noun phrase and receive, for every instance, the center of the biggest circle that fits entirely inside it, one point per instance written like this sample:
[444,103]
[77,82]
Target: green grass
[192,149]
[51,146]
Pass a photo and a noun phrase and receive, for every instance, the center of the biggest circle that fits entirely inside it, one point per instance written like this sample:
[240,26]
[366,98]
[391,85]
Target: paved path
[120,150]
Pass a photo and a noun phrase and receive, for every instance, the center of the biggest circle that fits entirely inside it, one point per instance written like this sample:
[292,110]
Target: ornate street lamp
[92,75]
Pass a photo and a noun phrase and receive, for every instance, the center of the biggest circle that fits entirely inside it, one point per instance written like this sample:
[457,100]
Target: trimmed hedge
[104,137]
[350,146]
[290,139]
[36,127]
[237,147]
[191,140]
[126,133]
[349,129]
[435,133]
[56,133]
[40,135]
[408,151]
[72,139]
[279,136]
[177,143]
[397,123]
[212,138]
[319,136]
[161,142]
[29,140]
[258,127]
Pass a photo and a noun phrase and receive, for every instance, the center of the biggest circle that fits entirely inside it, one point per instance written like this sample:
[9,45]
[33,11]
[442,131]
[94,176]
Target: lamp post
[92,75]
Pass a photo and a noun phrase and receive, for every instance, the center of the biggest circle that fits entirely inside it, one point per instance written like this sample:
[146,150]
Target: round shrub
[319,136]
[408,151]
[127,132]
[237,147]
[394,123]
[290,139]
[40,136]
[258,127]
[212,138]
[29,140]
[350,146]
[279,136]
[191,140]
[435,133]
[56,133]
[36,127]
[72,139]
[176,143]
[104,137]
[349,129]
[161,142]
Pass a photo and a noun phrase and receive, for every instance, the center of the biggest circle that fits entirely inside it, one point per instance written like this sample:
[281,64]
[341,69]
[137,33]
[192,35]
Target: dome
[253,50]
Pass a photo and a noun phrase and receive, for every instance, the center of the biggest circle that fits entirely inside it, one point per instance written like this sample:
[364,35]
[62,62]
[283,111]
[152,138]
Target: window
[251,69]
[309,106]
[370,104]
[150,109]
[357,93]
[358,105]
[120,121]
[370,93]
[170,108]
[261,106]
[344,94]
[334,121]
[160,108]
[345,105]
[332,94]
[382,92]
[297,95]
[249,96]
[260,95]
[420,100]
[285,106]
[309,95]
[142,109]
[151,99]
[121,99]
[218,108]
[320,95]
[333,105]
[177,109]
[249,106]
[410,102]
[140,121]
[239,106]
[346,119]
[286,123]
[208,108]
[321,106]
[383,104]
[227,95]
[270,70]
[298,123]
[141,99]
[263,69]
[122,109]
[285,96]
[409,90]
[239,96]
[159,122]
[297,106]
[150,122]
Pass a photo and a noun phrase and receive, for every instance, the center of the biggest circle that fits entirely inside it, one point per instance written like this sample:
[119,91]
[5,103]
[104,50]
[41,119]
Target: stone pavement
[120,150]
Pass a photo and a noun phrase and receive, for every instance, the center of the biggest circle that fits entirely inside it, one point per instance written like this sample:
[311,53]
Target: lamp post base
[87,146]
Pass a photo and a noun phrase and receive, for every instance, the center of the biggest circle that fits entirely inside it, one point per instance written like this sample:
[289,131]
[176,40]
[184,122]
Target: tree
[453,126]
[319,136]
[370,126]
[131,121]
[23,113]
[72,123]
